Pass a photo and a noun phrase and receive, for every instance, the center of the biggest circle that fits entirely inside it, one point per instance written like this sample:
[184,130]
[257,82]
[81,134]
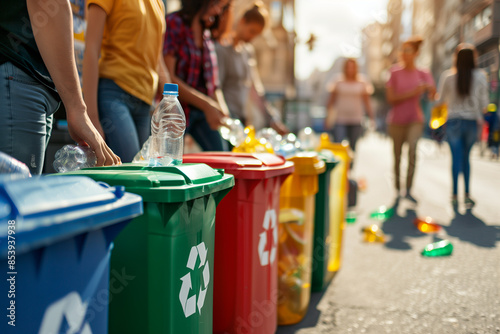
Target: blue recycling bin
[56,236]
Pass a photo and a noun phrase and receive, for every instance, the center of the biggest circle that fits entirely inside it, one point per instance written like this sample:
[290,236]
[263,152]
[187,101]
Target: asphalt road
[390,287]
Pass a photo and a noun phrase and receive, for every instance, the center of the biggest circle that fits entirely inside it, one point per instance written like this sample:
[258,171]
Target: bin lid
[169,184]
[43,210]
[330,159]
[244,165]
[308,163]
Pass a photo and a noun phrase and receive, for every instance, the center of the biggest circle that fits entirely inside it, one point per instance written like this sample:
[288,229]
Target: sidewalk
[391,288]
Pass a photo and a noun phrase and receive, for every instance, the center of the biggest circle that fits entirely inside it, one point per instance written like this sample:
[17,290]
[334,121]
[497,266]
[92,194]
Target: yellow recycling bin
[295,237]
[339,184]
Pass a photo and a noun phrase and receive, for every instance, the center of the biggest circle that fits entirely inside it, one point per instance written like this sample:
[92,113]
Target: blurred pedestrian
[348,101]
[38,71]
[464,90]
[238,71]
[123,68]
[404,89]
[190,57]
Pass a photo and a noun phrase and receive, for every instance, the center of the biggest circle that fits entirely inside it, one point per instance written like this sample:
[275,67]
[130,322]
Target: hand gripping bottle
[168,124]
[73,157]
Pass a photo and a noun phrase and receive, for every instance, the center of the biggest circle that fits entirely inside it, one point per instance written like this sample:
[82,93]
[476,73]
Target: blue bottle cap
[170,89]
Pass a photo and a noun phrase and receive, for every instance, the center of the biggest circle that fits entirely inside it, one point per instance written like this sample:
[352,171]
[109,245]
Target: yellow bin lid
[308,163]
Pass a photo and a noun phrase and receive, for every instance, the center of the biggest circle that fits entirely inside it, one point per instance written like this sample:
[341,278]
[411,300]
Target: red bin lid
[244,165]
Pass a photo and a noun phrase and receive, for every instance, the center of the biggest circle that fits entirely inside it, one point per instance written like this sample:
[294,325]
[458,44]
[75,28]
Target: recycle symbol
[265,256]
[189,304]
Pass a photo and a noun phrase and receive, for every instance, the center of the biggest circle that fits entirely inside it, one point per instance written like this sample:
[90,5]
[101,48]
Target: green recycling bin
[321,276]
[165,257]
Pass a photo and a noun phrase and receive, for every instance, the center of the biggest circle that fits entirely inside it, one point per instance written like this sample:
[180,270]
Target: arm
[163,75]
[213,111]
[272,113]
[96,20]
[397,98]
[55,43]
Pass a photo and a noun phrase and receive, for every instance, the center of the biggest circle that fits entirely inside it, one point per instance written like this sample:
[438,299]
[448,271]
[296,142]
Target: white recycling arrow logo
[70,307]
[265,256]
[189,303]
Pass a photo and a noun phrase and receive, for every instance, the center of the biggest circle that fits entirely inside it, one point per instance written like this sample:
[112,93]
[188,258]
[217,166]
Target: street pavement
[390,287]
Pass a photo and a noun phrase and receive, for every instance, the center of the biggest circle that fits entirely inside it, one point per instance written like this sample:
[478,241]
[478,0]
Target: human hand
[85,133]
[214,115]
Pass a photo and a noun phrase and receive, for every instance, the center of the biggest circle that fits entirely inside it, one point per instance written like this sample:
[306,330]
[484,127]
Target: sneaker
[469,203]
[410,198]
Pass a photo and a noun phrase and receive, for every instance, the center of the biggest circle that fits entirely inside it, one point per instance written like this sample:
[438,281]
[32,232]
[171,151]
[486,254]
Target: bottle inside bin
[74,157]
[168,125]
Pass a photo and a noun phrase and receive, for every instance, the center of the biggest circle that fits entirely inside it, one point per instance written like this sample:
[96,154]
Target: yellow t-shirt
[131,45]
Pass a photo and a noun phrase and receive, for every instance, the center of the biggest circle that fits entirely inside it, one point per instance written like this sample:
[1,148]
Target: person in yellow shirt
[123,68]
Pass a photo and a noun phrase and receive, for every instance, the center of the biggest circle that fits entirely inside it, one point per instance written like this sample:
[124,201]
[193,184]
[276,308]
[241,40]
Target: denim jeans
[26,108]
[461,135]
[124,118]
[352,133]
[198,128]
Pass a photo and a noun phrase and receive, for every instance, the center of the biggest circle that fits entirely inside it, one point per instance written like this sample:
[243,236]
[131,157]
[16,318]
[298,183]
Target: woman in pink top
[405,120]
[349,98]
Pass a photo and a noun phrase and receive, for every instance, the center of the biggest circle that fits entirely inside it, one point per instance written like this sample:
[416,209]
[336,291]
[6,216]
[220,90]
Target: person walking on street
[464,90]
[123,68]
[190,57]
[349,98]
[238,71]
[37,72]
[404,89]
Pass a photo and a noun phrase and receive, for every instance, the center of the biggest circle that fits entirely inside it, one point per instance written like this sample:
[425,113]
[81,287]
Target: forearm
[90,83]
[54,38]
[368,106]
[163,75]
[219,96]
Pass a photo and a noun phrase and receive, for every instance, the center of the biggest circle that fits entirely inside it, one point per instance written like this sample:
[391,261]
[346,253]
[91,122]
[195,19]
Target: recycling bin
[245,267]
[167,254]
[295,237]
[339,186]
[56,236]
[323,215]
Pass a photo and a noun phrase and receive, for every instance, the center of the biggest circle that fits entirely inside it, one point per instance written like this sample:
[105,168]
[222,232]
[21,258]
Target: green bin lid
[170,184]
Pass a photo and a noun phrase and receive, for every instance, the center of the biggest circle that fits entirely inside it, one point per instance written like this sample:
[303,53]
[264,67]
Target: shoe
[469,203]
[410,198]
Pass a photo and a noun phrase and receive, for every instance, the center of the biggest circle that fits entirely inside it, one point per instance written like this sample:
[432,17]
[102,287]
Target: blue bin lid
[48,209]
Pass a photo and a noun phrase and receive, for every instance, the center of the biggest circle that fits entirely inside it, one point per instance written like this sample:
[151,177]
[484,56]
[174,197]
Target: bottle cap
[170,89]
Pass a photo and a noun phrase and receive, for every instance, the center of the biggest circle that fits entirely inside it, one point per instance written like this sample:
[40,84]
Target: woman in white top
[349,98]
[464,89]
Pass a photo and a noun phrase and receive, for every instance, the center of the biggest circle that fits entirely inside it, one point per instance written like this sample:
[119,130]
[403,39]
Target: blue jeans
[208,139]
[461,135]
[124,118]
[26,108]
[347,132]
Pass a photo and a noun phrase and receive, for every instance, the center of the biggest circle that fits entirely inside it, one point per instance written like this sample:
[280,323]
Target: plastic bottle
[382,213]
[440,248]
[9,165]
[72,157]
[232,131]
[439,114]
[168,125]
[372,234]
[426,225]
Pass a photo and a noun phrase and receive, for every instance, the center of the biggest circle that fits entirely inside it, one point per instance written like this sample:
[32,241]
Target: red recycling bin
[246,240]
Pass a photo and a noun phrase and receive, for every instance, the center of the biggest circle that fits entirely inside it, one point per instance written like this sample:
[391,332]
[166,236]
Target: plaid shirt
[179,42]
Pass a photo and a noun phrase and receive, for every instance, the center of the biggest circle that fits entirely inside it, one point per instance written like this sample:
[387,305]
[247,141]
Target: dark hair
[414,42]
[192,7]
[256,14]
[465,63]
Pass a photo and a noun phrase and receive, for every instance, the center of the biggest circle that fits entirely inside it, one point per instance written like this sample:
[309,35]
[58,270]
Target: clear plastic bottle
[232,130]
[9,165]
[72,157]
[168,125]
